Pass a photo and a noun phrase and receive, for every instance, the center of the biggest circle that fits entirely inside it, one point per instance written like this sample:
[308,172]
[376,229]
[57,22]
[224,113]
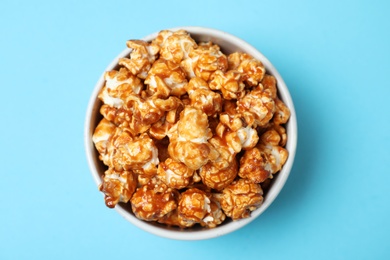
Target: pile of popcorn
[189,135]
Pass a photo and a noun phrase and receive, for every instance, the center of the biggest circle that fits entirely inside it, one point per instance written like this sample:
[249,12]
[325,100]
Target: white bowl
[228,44]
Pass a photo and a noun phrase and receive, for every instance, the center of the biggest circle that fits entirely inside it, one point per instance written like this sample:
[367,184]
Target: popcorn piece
[252,69]
[216,216]
[269,85]
[121,136]
[175,174]
[267,158]
[102,134]
[256,107]
[275,135]
[175,46]
[282,112]
[240,198]
[193,155]
[166,78]
[202,97]
[174,219]
[137,154]
[188,141]
[162,37]
[117,186]
[119,84]
[118,116]
[153,200]
[193,126]
[255,166]
[193,206]
[216,175]
[230,117]
[230,83]
[149,111]
[141,58]
[204,61]
[276,157]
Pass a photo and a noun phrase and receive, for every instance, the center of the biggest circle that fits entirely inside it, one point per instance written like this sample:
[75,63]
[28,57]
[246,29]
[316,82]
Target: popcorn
[117,186]
[240,198]
[153,200]
[267,158]
[252,69]
[102,134]
[216,216]
[202,97]
[141,58]
[175,174]
[189,136]
[175,46]
[166,78]
[256,107]
[230,83]
[218,175]
[282,113]
[204,61]
[193,206]
[188,144]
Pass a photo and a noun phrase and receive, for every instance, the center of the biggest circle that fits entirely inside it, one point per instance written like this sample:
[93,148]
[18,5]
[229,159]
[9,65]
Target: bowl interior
[228,44]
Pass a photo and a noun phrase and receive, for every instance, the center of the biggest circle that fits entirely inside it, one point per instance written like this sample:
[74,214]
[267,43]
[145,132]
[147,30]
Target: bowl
[228,44]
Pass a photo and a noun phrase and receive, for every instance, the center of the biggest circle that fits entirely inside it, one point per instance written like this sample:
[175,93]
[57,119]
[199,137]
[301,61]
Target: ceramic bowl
[228,44]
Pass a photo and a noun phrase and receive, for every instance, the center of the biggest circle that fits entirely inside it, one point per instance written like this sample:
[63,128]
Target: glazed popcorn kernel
[189,134]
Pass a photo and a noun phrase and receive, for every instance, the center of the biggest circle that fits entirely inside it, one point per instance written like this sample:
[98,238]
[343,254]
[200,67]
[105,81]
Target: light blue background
[334,57]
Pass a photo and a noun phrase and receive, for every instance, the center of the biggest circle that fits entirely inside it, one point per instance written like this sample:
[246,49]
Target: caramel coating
[188,144]
[142,56]
[204,61]
[240,198]
[193,206]
[254,166]
[175,174]
[267,158]
[153,200]
[217,176]
[230,83]
[175,46]
[216,215]
[256,107]
[189,135]
[282,112]
[252,69]
[117,186]
[102,134]
[203,98]
[166,78]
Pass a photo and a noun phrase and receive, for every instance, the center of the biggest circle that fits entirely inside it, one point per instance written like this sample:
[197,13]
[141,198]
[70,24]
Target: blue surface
[333,56]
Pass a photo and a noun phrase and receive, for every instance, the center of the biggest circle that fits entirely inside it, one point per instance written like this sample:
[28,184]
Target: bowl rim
[282,176]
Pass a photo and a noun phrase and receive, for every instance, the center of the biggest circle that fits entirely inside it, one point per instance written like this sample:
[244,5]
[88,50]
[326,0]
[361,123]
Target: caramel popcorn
[117,186]
[175,174]
[257,107]
[261,162]
[189,134]
[153,200]
[230,83]
[240,198]
[166,78]
[175,46]
[204,61]
[193,206]
[252,69]
[203,97]
[141,58]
